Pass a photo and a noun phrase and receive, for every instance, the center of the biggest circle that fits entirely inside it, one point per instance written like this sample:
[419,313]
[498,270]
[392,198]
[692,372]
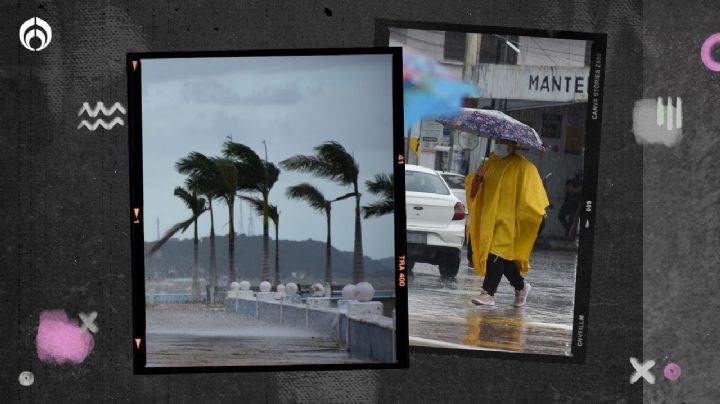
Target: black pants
[567,214]
[469,252]
[494,271]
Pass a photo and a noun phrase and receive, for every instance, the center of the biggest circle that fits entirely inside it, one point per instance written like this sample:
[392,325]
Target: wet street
[193,335]
[443,316]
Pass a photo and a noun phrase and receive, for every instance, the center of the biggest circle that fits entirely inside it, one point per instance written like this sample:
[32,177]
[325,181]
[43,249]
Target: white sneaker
[484,299]
[521,295]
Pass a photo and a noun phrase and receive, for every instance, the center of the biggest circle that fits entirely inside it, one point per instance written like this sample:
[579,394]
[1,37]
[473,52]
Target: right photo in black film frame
[554,324]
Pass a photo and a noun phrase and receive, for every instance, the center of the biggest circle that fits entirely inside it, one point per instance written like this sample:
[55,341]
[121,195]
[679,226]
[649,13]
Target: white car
[435,221]
[456,183]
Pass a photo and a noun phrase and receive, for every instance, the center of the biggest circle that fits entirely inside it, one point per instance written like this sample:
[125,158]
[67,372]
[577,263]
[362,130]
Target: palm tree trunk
[231,239]
[213,260]
[195,280]
[358,275]
[265,273]
[277,253]
[328,250]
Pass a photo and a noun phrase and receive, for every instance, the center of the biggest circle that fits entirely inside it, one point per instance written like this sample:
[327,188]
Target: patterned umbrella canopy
[429,90]
[491,123]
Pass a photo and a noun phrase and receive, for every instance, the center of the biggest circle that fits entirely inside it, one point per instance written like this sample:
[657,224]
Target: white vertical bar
[660,112]
[678,112]
[669,114]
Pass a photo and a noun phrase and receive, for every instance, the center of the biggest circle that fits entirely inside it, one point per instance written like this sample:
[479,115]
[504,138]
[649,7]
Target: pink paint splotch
[61,340]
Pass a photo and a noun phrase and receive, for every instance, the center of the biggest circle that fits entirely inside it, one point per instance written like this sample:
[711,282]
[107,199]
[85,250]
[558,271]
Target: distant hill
[304,258]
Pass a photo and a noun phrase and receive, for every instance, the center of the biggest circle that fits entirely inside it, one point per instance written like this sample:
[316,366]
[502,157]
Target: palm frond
[254,173]
[273,214]
[331,161]
[228,177]
[203,174]
[340,198]
[379,208]
[191,200]
[255,202]
[382,185]
[258,205]
[171,232]
[241,153]
[309,194]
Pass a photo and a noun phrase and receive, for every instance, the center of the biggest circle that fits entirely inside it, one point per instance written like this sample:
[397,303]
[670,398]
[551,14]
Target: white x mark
[642,371]
[89,321]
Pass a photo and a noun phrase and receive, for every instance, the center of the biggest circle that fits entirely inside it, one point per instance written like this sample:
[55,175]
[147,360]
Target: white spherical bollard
[280,288]
[348,292]
[318,290]
[234,286]
[265,286]
[244,285]
[364,291]
[291,288]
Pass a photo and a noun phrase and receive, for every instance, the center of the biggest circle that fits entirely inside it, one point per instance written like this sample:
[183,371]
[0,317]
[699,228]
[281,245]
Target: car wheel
[409,264]
[450,264]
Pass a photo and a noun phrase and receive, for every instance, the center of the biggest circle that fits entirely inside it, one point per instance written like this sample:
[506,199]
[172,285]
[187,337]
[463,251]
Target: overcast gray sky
[294,104]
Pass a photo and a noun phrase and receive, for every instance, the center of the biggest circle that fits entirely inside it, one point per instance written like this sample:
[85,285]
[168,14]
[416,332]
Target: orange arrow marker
[134,63]
[137,342]
[137,214]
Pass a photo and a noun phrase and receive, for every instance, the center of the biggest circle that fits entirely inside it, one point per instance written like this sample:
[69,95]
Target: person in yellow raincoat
[506,204]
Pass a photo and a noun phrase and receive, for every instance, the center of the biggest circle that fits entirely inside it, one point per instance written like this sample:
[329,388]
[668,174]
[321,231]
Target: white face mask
[502,150]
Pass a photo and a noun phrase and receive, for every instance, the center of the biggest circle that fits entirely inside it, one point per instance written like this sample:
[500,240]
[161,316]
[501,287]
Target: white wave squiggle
[100,106]
[101,122]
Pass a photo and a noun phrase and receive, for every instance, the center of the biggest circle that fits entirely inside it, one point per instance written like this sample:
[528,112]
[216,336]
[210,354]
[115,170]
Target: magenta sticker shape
[705,55]
[61,340]
[672,371]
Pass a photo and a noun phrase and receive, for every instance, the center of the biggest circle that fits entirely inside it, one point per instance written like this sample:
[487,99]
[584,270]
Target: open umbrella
[429,89]
[491,123]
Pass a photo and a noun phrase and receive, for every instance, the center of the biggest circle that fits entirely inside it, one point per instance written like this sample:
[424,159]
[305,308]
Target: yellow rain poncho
[506,212]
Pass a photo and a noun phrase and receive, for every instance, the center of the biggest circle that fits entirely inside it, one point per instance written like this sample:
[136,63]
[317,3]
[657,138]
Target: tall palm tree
[383,186]
[317,201]
[256,176]
[197,206]
[228,183]
[204,177]
[333,162]
[274,216]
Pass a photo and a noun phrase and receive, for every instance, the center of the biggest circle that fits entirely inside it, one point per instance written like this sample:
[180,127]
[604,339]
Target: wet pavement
[194,335]
[442,315]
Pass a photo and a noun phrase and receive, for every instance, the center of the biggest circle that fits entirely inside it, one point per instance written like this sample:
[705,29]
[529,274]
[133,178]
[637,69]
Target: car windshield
[454,181]
[416,181]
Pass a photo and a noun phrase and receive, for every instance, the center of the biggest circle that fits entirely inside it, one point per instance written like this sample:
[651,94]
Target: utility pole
[472,58]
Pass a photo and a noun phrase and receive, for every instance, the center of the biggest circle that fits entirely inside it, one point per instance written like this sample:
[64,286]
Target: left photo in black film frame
[137,211]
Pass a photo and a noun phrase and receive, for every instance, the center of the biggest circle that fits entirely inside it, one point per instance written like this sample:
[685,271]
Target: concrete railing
[359,326]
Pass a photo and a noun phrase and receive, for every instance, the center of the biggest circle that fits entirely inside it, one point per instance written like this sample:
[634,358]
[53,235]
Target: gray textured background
[681,222]
[65,203]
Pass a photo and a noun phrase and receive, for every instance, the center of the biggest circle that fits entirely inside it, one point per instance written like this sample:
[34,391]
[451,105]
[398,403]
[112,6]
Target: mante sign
[537,83]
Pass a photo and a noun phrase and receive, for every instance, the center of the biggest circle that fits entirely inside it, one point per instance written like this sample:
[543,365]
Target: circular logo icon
[672,371]
[26,378]
[706,52]
[35,34]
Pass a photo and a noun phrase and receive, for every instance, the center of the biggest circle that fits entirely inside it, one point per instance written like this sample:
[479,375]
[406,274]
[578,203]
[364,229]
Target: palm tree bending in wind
[317,201]
[333,162]
[274,216]
[197,206]
[259,176]
[205,178]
